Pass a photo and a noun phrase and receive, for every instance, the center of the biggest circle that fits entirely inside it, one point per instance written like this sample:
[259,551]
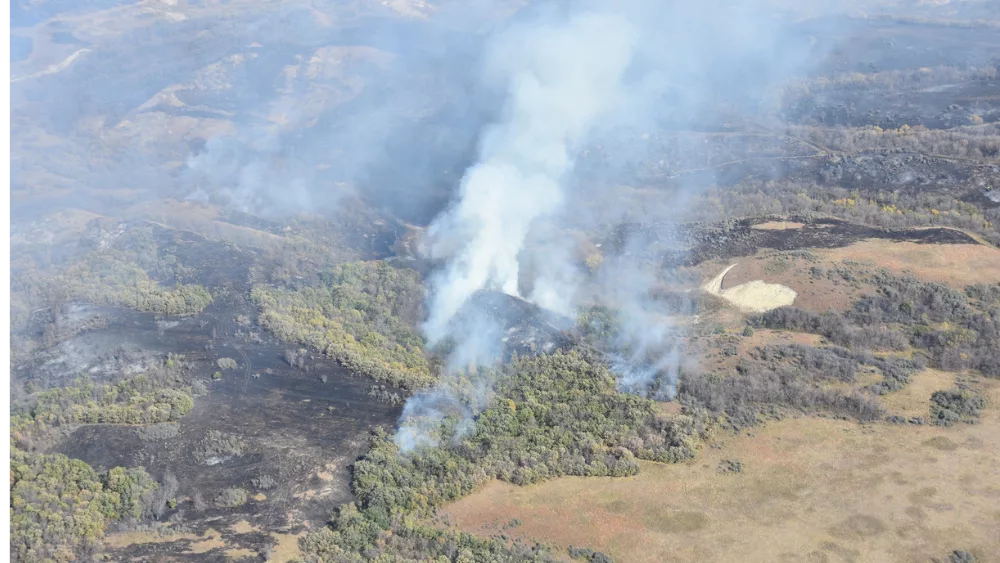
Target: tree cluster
[363,315]
[142,399]
[552,415]
[60,507]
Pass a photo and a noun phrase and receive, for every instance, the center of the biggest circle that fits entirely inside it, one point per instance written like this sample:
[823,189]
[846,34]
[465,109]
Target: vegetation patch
[959,330]
[363,315]
[730,466]
[143,399]
[60,507]
[588,555]
[552,415]
[233,497]
[961,404]
[218,446]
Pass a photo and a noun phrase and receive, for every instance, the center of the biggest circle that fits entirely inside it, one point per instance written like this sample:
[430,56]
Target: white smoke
[560,78]
[600,78]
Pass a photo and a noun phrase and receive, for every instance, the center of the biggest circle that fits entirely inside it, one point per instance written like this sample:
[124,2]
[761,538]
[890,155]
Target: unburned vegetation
[809,489]
[363,315]
[958,330]
[552,415]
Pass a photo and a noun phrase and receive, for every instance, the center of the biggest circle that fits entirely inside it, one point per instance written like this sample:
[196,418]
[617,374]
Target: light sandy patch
[124,539]
[243,527]
[778,226]
[957,265]
[260,497]
[755,296]
[812,489]
[211,539]
[239,553]
[287,547]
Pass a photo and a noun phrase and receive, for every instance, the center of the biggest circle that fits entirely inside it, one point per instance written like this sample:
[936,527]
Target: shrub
[730,466]
[232,497]
[363,316]
[589,555]
[216,446]
[264,482]
[961,404]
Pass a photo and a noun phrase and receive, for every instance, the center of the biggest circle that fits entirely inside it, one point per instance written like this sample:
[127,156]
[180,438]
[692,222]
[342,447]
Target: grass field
[953,264]
[812,489]
[956,265]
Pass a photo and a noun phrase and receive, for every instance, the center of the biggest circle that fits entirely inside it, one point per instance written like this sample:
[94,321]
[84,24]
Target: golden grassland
[812,489]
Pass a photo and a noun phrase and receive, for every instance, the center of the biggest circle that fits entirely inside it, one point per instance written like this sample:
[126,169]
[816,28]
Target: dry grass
[957,265]
[239,553]
[287,547]
[201,219]
[778,226]
[211,539]
[817,295]
[812,489]
[914,399]
[243,527]
[124,539]
[704,352]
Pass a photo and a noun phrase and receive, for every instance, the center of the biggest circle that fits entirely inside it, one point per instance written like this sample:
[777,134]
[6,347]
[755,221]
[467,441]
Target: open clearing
[771,277]
[778,226]
[812,489]
[754,296]
[953,264]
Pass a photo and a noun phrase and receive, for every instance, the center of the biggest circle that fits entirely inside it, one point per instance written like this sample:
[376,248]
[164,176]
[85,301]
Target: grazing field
[821,279]
[954,264]
[811,489]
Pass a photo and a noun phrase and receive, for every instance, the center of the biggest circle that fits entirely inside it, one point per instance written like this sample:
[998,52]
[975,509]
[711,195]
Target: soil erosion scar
[755,296]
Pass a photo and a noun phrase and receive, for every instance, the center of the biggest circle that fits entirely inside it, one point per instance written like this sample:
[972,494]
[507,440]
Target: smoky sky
[398,132]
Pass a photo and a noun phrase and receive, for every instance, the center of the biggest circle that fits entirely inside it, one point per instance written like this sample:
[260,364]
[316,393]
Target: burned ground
[299,431]
[734,239]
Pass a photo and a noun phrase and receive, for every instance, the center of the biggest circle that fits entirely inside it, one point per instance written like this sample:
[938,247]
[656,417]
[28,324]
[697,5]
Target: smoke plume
[560,78]
[592,80]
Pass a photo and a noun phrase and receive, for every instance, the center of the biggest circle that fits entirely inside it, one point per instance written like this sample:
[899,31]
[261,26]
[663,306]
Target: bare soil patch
[778,226]
[754,296]
[287,548]
[812,293]
[811,489]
